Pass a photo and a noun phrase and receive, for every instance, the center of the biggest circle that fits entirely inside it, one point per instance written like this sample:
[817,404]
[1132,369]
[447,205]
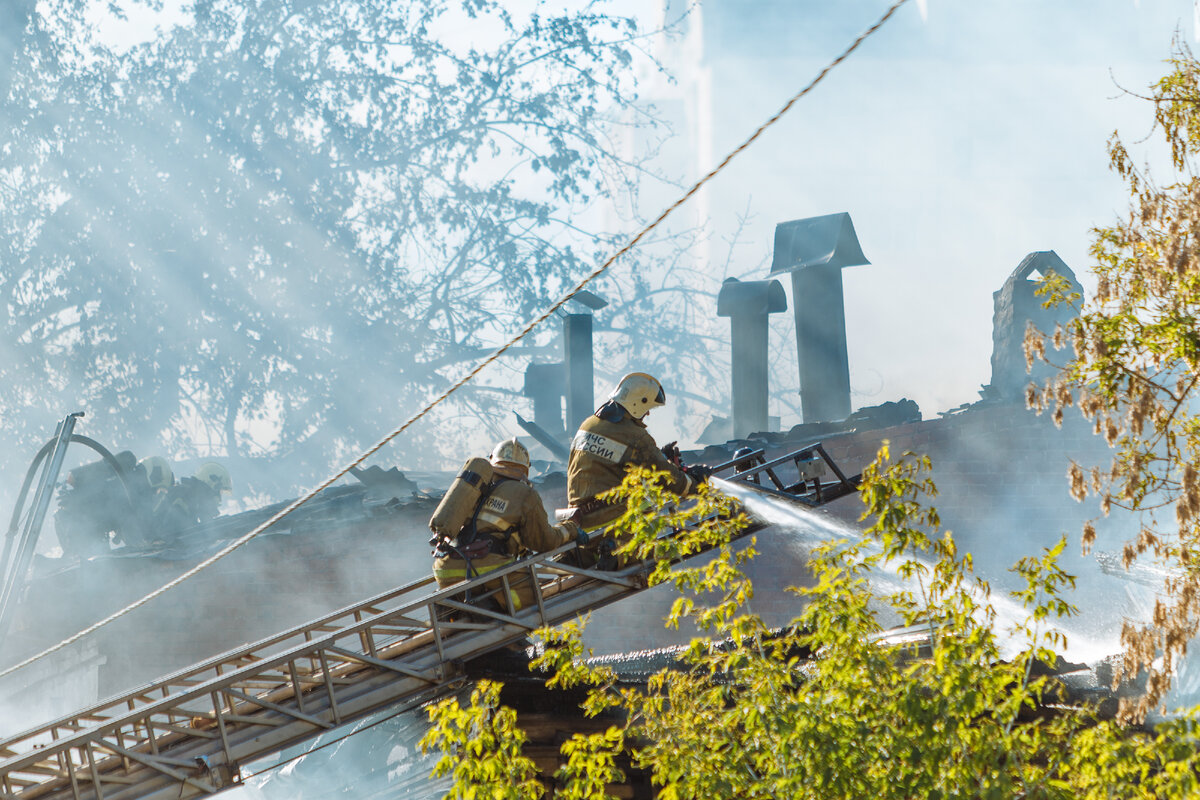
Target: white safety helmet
[215,476]
[638,392]
[158,473]
[511,454]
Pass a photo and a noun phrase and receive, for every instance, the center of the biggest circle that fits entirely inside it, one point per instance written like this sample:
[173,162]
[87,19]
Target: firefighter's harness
[469,544]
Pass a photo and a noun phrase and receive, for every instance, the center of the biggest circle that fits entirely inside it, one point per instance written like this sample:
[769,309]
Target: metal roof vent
[814,251]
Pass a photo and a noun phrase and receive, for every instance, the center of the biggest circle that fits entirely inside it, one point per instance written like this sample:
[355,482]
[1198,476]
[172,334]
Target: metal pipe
[821,343]
[814,251]
[33,526]
[15,521]
[577,344]
[544,385]
[748,305]
[749,345]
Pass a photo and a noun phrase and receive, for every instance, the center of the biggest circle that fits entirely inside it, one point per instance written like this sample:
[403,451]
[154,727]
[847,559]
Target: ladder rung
[279,684]
[109,778]
[192,731]
[38,769]
[392,631]
[273,723]
[186,682]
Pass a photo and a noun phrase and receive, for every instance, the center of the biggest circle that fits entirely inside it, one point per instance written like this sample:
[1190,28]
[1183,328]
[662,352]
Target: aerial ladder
[189,734]
[24,529]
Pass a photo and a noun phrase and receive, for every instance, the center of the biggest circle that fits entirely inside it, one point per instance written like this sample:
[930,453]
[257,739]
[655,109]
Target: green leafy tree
[831,708]
[299,218]
[482,746]
[1134,371]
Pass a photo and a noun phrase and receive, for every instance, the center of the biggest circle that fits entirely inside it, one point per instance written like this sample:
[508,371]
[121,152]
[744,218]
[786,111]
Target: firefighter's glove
[581,538]
[698,472]
[671,451]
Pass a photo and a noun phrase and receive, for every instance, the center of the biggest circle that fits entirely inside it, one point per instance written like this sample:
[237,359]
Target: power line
[470,376]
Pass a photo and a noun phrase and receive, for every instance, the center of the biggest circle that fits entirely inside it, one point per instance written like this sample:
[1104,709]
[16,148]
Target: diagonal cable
[465,379]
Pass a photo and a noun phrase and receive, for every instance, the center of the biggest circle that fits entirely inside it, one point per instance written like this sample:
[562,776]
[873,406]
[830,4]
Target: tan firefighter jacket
[514,511]
[601,452]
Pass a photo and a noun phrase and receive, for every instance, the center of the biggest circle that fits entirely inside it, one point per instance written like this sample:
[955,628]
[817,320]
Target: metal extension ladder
[187,734]
[23,531]
[22,536]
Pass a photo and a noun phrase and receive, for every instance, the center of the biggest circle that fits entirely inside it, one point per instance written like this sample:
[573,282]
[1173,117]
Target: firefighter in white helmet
[507,519]
[195,500]
[614,439]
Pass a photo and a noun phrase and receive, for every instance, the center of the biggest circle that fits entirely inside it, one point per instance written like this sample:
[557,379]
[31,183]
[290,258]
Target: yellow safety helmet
[637,393]
[158,473]
[511,454]
[215,476]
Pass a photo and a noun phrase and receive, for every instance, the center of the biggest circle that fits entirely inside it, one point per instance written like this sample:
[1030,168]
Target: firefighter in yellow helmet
[614,439]
[508,518]
[196,499]
[158,473]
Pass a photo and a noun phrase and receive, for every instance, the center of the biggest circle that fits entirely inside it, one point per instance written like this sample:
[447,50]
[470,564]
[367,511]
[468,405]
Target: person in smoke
[115,501]
[509,520]
[156,479]
[99,504]
[193,500]
[610,442]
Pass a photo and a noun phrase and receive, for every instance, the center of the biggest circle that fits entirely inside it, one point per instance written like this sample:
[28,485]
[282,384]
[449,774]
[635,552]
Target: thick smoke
[215,257]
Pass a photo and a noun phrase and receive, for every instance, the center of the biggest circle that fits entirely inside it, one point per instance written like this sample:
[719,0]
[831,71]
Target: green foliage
[591,765]
[1134,372]
[832,708]
[482,748]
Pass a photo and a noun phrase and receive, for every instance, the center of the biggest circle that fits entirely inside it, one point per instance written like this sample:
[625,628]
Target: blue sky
[959,142]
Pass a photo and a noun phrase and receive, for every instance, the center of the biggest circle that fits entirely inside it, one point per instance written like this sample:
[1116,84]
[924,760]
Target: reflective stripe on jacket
[449,570]
[514,513]
[602,452]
